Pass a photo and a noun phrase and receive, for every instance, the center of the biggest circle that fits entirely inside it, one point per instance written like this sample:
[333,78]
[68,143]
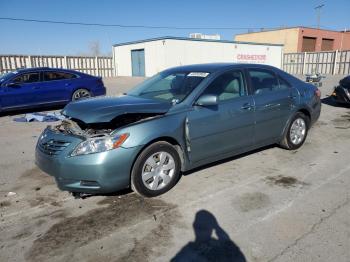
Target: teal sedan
[177,120]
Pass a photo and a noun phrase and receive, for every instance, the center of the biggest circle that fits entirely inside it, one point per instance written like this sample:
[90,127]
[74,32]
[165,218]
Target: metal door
[138,62]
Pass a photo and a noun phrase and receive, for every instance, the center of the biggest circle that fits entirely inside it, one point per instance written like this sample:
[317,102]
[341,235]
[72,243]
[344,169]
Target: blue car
[34,87]
[180,119]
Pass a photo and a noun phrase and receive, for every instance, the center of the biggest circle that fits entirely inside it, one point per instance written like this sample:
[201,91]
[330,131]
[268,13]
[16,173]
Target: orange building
[301,39]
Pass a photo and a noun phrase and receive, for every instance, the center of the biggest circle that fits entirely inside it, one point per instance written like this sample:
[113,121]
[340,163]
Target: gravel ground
[268,205]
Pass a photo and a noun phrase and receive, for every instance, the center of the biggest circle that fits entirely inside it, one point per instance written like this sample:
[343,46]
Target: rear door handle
[36,87]
[272,105]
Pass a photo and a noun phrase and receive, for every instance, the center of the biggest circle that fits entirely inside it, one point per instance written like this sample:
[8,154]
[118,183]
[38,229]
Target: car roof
[216,67]
[24,70]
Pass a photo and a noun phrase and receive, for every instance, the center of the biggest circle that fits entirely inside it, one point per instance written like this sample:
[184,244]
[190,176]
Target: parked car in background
[341,93]
[34,87]
[179,119]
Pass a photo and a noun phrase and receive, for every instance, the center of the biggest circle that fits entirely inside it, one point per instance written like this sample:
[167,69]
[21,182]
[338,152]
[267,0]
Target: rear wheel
[80,93]
[296,132]
[156,170]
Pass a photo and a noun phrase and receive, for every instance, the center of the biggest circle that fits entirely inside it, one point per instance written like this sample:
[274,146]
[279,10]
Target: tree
[94,48]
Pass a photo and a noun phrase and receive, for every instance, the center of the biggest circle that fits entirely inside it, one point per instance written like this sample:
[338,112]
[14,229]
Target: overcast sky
[19,37]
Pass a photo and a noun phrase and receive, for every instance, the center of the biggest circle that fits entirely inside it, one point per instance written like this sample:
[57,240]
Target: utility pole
[342,37]
[318,10]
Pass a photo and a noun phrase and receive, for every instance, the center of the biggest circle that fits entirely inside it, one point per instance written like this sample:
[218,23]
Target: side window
[27,78]
[283,84]
[263,81]
[227,86]
[51,76]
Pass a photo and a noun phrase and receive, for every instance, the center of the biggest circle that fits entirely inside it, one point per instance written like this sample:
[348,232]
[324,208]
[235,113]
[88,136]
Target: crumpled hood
[104,109]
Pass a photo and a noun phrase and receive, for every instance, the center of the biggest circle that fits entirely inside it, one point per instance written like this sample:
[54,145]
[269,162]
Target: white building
[148,57]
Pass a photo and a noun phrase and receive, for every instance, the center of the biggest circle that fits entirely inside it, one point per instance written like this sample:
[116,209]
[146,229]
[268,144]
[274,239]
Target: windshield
[169,86]
[5,76]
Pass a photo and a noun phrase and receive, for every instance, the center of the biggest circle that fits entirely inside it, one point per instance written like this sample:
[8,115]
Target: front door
[225,127]
[138,62]
[20,91]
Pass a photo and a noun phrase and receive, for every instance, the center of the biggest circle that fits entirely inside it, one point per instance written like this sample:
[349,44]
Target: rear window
[51,76]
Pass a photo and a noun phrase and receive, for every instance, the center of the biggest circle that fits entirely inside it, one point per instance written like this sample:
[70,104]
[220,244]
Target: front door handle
[36,87]
[246,106]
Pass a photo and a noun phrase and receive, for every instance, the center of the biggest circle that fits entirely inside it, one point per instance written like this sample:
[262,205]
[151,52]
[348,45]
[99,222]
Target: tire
[156,170]
[80,94]
[296,132]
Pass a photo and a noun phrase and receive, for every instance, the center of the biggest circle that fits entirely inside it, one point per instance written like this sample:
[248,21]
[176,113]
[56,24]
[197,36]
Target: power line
[132,26]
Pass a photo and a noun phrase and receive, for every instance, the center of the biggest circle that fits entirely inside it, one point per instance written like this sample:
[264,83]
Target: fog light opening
[89,183]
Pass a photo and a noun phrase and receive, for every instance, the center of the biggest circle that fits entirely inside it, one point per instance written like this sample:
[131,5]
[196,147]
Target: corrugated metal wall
[330,62]
[98,66]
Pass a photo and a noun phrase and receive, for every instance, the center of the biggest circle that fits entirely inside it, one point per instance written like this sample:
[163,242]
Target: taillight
[318,92]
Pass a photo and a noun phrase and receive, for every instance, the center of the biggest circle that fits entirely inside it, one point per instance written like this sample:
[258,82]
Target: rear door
[273,99]
[20,91]
[56,86]
[226,127]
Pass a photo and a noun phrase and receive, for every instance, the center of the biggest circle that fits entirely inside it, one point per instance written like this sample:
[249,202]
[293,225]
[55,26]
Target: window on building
[309,44]
[327,44]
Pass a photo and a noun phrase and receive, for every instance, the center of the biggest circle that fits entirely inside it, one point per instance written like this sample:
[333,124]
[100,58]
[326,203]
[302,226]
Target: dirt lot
[269,205]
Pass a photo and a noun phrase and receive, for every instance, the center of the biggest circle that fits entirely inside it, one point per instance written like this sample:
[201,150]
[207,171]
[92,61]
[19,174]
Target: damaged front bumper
[96,173]
[341,95]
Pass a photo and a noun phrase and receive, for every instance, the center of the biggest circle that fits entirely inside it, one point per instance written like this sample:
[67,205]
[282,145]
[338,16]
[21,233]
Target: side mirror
[207,100]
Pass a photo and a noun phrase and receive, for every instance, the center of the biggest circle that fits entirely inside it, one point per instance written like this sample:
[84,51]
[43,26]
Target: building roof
[286,28]
[191,39]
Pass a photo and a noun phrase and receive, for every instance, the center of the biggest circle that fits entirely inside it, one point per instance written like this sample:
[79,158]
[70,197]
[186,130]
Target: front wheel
[156,170]
[80,94]
[296,132]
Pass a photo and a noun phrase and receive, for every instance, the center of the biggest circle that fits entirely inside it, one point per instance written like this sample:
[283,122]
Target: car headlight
[99,144]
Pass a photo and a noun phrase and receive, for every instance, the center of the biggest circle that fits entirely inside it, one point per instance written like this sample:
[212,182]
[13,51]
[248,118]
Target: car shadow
[330,102]
[225,160]
[207,248]
[30,110]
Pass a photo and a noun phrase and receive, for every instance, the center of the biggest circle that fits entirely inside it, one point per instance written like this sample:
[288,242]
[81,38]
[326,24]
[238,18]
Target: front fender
[146,131]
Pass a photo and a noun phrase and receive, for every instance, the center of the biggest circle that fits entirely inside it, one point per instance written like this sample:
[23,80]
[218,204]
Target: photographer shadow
[206,247]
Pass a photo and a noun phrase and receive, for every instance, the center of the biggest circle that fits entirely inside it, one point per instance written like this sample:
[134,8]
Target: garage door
[309,44]
[327,44]
[138,62]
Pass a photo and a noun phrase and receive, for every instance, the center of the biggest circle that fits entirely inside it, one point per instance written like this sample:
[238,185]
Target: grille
[52,147]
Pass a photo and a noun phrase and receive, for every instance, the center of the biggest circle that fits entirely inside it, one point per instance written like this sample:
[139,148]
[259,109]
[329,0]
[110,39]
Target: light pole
[318,10]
